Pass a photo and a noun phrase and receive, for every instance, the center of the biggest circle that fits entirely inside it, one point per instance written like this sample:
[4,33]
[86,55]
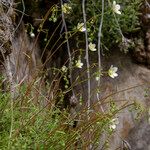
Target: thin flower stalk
[99,50]
[68,46]
[87,55]
[88,68]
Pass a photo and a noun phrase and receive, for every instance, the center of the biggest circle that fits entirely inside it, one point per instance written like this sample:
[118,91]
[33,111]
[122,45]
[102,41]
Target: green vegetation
[33,121]
[117,23]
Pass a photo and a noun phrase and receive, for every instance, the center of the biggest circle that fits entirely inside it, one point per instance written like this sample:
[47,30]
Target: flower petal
[114,2]
[115,69]
[117,6]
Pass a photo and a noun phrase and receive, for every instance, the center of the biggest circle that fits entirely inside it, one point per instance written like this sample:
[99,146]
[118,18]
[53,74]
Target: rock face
[142,51]
[130,75]
[6,28]
[24,59]
[131,85]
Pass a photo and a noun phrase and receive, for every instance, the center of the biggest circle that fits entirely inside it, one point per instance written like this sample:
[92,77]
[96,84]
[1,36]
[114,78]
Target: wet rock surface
[139,136]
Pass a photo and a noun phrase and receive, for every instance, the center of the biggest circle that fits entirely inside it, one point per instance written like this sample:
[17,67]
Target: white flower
[32,35]
[66,8]
[116,8]
[97,78]
[92,46]
[79,64]
[81,27]
[64,69]
[113,123]
[112,71]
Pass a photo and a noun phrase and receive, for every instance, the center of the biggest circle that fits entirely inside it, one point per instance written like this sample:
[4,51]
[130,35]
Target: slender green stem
[99,51]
